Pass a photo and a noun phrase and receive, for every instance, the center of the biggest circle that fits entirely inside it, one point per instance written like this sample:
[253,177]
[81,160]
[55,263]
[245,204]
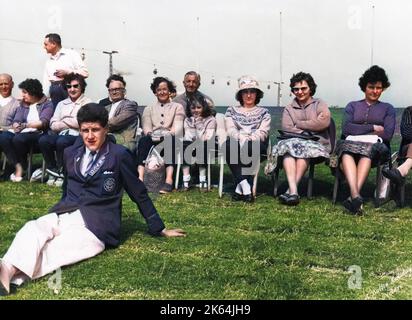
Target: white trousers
[50,242]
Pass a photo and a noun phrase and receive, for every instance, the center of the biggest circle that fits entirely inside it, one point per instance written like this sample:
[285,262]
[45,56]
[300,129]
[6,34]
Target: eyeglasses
[76,86]
[116,90]
[296,89]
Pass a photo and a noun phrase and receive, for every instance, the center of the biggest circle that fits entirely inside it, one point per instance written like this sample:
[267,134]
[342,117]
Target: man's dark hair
[302,76]
[33,87]
[55,38]
[158,80]
[115,77]
[372,75]
[75,76]
[93,112]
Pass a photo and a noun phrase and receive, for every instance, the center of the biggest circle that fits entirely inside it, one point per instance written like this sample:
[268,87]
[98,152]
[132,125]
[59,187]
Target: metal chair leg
[335,186]
[275,178]
[222,166]
[310,180]
[177,172]
[378,185]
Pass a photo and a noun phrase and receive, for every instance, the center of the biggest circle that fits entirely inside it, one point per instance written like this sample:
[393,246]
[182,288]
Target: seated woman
[64,127]
[248,128]
[30,122]
[398,175]
[200,129]
[162,121]
[305,115]
[366,122]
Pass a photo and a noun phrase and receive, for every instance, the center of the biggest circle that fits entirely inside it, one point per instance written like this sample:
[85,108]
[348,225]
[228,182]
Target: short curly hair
[75,76]
[373,75]
[33,87]
[158,80]
[302,76]
[115,77]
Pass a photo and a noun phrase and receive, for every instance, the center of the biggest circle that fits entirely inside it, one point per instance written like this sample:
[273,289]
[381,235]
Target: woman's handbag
[154,171]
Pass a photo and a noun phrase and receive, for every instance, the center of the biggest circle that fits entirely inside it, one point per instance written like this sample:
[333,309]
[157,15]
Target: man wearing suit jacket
[87,218]
[123,113]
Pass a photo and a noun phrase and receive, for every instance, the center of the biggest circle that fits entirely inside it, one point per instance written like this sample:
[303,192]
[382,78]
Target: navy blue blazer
[99,194]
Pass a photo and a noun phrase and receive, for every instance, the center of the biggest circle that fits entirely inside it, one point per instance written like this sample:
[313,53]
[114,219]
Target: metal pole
[198,45]
[110,53]
[373,33]
[280,59]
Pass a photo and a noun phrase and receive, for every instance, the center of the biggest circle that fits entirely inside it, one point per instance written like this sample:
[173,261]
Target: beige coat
[164,117]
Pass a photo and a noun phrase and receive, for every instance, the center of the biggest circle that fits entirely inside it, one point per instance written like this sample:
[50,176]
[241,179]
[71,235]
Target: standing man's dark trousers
[57,92]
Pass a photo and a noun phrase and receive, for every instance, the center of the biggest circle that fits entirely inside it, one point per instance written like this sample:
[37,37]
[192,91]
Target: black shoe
[348,205]
[248,198]
[292,200]
[394,175]
[237,197]
[357,205]
[283,197]
[354,206]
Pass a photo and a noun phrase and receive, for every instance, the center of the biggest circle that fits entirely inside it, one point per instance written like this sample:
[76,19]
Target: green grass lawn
[234,250]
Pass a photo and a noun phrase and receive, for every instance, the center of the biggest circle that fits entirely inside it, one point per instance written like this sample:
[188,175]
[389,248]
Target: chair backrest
[221,132]
[332,134]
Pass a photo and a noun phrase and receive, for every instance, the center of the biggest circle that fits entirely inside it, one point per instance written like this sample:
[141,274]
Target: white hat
[247,82]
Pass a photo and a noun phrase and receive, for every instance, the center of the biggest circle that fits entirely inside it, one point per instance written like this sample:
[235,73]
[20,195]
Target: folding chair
[221,136]
[266,156]
[312,163]
[400,158]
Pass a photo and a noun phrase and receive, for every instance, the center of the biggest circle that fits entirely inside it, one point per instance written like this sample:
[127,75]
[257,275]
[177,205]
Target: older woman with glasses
[304,133]
[64,127]
[248,128]
[367,128]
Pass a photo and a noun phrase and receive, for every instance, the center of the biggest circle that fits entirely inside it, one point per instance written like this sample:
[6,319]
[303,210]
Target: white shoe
[36,176]
[15,179]
[51,181]
[58,182]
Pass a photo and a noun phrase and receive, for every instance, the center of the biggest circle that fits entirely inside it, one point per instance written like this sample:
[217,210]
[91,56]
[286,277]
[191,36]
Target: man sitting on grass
[88,217]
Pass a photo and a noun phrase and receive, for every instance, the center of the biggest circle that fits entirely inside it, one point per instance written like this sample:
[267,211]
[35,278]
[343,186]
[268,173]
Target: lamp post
[110,53]
[279,91]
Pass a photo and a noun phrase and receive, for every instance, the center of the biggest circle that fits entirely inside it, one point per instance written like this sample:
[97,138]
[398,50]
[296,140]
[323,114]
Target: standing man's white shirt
[65,59]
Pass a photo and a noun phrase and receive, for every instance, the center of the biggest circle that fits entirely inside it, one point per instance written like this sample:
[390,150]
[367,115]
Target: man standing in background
[60,63]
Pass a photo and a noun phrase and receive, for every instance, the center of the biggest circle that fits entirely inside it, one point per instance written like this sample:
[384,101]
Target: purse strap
[154,152]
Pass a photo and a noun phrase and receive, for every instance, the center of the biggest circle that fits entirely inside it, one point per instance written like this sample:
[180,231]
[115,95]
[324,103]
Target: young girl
[199,128]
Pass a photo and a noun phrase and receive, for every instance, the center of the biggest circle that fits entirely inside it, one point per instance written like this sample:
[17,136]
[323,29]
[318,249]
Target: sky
[333,40]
